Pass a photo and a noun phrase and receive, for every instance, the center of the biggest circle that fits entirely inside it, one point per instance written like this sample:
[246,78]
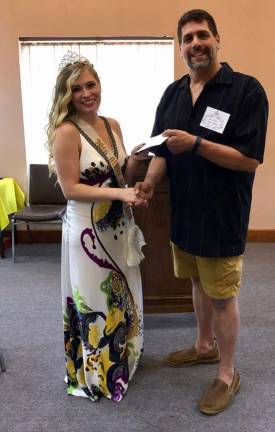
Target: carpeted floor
[33,397]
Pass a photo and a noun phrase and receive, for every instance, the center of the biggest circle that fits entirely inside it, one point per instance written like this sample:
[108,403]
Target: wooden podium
[162,291]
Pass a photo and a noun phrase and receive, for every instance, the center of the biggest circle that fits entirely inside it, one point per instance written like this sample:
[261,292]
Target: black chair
[47,203]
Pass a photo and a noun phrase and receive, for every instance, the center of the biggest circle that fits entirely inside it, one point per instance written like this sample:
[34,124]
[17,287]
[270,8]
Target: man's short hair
[197,15]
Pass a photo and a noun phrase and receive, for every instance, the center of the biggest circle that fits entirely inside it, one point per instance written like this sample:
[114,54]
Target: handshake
[144,192]
[139,195]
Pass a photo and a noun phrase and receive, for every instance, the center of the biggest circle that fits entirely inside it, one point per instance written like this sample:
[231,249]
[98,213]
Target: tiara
[69,58]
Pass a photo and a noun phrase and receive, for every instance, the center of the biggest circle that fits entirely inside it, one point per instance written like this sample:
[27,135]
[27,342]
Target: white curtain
[133,75]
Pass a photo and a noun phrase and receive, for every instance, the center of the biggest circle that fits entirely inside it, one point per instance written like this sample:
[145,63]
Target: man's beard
[202,64]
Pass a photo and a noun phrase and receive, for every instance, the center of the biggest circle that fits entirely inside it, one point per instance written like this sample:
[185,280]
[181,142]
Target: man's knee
[222,304]
[195,280]
[196,283]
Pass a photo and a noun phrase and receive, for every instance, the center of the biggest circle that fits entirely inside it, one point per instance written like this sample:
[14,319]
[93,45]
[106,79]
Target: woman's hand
[133,162]
[127,195]
[132,196]
[142,155]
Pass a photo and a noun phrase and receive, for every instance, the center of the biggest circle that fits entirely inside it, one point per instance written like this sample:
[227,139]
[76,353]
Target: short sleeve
[158,127]
[251,123]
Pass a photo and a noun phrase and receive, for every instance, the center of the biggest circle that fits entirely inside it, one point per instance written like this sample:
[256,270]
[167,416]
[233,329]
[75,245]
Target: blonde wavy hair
[62,107]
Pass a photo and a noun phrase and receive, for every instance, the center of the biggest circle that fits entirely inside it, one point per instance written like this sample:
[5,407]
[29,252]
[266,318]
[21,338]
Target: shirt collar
[223,76]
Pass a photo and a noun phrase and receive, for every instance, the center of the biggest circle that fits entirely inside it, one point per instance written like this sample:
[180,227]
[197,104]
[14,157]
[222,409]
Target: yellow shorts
[220,277]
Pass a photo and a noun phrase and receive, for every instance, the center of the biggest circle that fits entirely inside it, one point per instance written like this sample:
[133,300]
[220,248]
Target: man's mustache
[200,51]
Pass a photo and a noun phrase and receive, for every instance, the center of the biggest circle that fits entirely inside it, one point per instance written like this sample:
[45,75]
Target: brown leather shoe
[190,356]
[219,395]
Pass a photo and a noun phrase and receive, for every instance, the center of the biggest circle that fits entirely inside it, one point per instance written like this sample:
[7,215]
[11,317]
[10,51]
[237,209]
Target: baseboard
[261,236]
[254,236]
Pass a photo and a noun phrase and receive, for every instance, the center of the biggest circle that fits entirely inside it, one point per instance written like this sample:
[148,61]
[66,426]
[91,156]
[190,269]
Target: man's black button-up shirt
[210,205]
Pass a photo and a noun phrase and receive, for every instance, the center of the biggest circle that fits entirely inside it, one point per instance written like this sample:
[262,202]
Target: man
[215,122]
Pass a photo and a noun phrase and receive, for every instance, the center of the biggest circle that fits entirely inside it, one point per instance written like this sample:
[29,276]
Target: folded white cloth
[135,243]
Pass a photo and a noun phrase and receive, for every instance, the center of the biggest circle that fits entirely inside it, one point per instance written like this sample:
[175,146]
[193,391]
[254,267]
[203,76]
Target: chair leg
[2,363]
[29,233]
[2,248]
[13,239]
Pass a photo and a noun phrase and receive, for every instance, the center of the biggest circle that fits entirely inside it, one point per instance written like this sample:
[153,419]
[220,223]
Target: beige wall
[246,30]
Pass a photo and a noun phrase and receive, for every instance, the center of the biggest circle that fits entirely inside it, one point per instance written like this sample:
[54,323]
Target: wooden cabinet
[162,291]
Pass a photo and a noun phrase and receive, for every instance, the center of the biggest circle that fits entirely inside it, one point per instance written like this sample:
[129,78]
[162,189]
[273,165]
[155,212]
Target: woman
[102,295]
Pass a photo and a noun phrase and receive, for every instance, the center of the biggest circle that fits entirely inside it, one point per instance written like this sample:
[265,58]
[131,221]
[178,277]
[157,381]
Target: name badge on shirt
[214,119]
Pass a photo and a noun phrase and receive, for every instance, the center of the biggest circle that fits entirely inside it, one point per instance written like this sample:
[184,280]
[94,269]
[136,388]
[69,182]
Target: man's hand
[144,192]
[179,141]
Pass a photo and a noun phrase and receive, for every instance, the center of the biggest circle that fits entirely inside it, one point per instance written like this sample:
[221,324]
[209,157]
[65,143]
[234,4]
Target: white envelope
[152,142]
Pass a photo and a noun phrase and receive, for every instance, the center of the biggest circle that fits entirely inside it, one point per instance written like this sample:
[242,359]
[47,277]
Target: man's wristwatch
[196,145]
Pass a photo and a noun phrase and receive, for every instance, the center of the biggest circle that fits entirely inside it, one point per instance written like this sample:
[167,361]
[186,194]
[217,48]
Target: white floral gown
[102,296]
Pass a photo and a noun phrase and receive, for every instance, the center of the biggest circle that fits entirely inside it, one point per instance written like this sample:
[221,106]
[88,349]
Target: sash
[134,234]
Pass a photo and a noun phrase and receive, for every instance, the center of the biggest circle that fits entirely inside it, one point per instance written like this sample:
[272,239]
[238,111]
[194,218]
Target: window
[134,74]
